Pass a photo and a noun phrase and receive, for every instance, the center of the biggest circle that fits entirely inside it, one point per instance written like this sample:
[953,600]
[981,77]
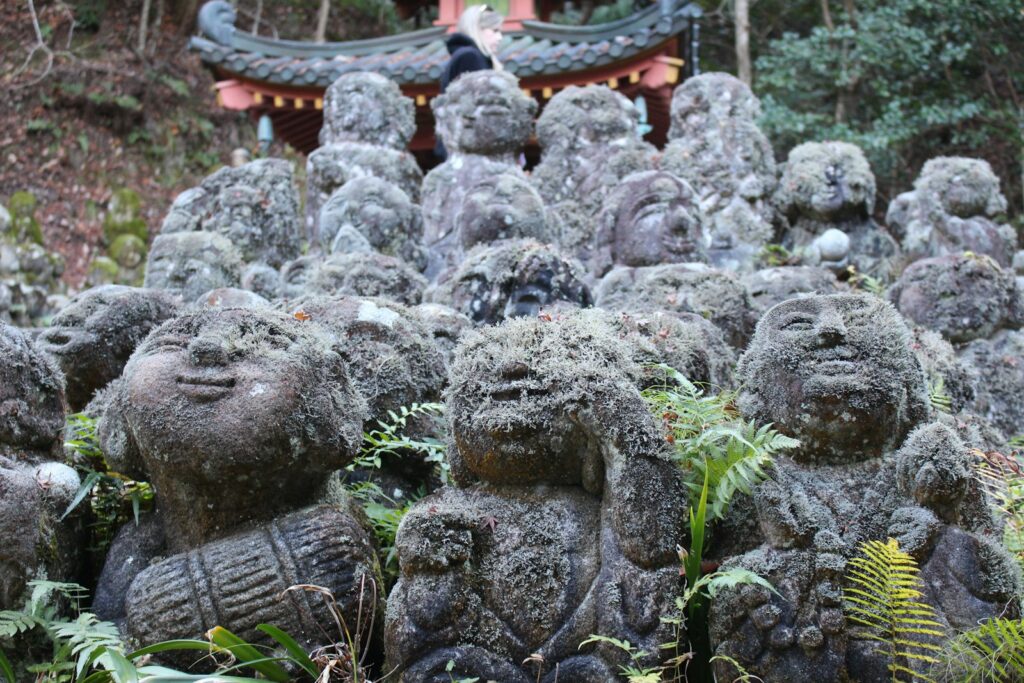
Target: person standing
[473,47]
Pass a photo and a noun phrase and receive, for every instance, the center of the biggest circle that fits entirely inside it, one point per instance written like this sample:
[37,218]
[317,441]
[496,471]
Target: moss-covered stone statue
[837,372]
[237,416]
[190,264]
[563,522]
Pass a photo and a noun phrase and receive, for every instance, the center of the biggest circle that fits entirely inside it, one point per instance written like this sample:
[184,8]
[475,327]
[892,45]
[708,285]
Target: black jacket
[465,57]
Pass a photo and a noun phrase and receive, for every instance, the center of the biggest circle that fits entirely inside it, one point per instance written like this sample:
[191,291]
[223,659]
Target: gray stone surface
[953,208]
[552,451]
[366,107]
[716,146]
[770,286]
[189,264]
[367,274]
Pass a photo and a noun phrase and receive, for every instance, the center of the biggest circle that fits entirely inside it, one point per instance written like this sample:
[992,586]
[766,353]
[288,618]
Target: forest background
[103,95]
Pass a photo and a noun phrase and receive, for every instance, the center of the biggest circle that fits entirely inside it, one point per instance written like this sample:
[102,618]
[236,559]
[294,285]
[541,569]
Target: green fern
[391,439]
[1002,477]
[710,440]
[994,651]
[884,598]
[941,400]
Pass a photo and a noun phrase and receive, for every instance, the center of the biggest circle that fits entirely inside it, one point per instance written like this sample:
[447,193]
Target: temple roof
[415,58]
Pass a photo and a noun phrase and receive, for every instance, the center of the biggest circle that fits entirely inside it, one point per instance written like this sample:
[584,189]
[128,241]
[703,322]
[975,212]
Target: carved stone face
[827,181]
[232,412]
[92,337]
[31,394]
[192,263]
[511,279]
[296,274]
[579,117]
[367,274]
[502,207]
[657,220]
[367,107]
[963,187]
[484,112]
[961,297]
[836,372]
[515,389]
[710,100]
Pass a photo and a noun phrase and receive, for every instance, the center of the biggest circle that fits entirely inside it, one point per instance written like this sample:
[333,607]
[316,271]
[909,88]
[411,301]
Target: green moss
[124,217]
[24,225]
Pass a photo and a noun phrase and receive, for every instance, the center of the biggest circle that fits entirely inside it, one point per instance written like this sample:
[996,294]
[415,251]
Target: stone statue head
[32,401]
[519,394]
[235,415]
[368,213]
[510,279]
[484,112]
[191,263]
[367,274]
[367,107]
[963,297]
[502,206]
[836,372]
[770,286]
[650,218]
[92,337]
[827,181]
[963,187]
[295,275]
[578,117]
[710,100]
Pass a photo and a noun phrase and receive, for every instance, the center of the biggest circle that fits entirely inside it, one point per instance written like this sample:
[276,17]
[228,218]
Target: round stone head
[511,279]
[578,117]
[484,112]
[368,274]
[192,263]
[963,187]
[367,107]
[651,218]
[296,275]
[517,395]
[502,206]
[838,373]
[826,181]
[708,101]
[94,335]
[235,414]
[961,297]
[32,402]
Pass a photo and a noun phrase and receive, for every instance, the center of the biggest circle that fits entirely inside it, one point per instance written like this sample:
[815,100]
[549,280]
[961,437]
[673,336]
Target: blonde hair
[473,20]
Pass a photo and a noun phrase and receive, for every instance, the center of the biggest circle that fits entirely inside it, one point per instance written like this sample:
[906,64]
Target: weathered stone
[93,336]
[445,324]
[682,288]
[553,450]
[254,206]
[369,108]
[230,297]
[830,185]
[716,146]
[509,279]
[367,274]
[770,286]
[952,209]
[192,263]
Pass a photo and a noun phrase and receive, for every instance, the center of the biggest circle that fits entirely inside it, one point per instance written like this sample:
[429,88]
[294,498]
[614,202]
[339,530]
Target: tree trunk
[321,22]
[744,69]
[143,26]
[256,18]
[185,15]
[826,16]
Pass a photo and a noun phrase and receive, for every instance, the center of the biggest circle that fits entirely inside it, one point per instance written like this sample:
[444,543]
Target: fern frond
[12,623]
[993,651]
[884,598]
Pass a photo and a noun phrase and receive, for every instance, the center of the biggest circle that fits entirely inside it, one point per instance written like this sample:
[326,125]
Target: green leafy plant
[937,395]
[390,439]
[883,597]
[864,282]
[385,514]
[635,671]
[993,651]
[1003,479]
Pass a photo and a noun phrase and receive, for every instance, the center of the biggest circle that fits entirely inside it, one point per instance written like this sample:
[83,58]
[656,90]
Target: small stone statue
[510,279]
[770,286]
[92,337]
[237,416]
[367,274]
[952,209]
[541,542]
[829,185]
[717,147]
[189,264]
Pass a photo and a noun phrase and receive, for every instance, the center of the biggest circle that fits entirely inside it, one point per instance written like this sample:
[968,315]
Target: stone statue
[697,288]
[29,273]
[952,209]
[367,274]
[483,119]
[509,279]
[649,219]
[92,337]
[237,416]
[445,324]
[590,140]
[717,147]
[539,544]
[770,286]
[189,264]
[501,207]
[255,207]
[837,372]
[36,486]
[827,188]
[368,214]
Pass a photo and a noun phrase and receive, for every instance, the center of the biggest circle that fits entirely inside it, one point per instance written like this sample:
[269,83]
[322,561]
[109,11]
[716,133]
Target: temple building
[643,56]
